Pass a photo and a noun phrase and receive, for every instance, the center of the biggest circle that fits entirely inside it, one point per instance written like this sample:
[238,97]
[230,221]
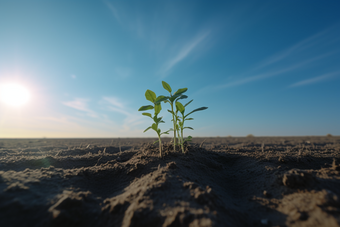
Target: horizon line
[229,136]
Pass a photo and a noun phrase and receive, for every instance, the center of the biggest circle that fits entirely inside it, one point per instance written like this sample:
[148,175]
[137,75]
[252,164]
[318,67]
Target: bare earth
[259,181]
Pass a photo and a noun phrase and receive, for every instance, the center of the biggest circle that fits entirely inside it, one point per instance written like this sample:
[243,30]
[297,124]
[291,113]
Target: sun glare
[14,94]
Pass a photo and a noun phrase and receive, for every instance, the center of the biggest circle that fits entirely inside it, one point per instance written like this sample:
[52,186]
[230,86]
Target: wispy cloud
[289,60]
[110,104]
[184,52]
[113,101]
[305,44]
[275,72]
[167,29]
[116,105]
[114,10]
[315,79]
[122,14]
[53,124]
[81,104]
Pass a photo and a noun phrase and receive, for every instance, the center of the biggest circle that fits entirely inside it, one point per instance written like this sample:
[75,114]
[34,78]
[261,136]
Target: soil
[221,181]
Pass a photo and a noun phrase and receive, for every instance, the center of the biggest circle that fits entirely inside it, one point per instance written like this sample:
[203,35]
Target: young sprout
[171,99]
[176,106]
[151,96]
[182,119]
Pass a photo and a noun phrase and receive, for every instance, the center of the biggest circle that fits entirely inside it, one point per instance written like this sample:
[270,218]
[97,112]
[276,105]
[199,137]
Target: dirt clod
[297,178]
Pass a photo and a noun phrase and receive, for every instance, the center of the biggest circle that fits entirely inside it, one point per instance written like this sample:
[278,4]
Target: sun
[14,94]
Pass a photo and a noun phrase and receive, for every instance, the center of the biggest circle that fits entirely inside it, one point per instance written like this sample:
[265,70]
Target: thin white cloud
[114,10]
[113,101]
[309,42]
[276,72]
[315,79]
[115,105]
[81,104]
[184,52]
[119,110]
[73,76]
[160,31]
[112,104]
[51,124]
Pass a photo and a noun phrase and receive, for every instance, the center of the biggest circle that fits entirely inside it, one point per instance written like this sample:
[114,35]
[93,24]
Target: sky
[263,67]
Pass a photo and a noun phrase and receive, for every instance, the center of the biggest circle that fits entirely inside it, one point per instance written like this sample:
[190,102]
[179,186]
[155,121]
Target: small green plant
[151,96]
[176,107]
[171,99]
[182,119]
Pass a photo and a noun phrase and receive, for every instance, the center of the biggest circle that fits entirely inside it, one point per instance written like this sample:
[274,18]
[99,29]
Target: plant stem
[179,139]
[173,119]
[182,143]
[160,146]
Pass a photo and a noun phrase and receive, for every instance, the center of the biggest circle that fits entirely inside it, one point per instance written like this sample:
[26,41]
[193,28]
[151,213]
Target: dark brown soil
[252,181]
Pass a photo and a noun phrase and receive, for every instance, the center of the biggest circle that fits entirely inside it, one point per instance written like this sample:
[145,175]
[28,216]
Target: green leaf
[165,133]
[147,129]
[148,107]
[180,107]
[171,112]
[147,114]
[155,141]
[172,98]
[188,102]
[198,109]
[190,118]
[166,86]
[188,139]
[158,131]
[161,98]
[154,126]
[180,91]
[188,128]
[157,119]
[158,108]
[150,95]
[182,97]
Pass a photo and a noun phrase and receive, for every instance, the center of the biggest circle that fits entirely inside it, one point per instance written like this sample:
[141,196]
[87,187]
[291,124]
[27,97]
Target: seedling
[176,106]
[151,96]
[171,99]
[182,119]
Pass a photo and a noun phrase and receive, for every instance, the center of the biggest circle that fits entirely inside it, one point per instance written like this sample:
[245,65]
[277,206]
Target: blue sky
[267,68]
